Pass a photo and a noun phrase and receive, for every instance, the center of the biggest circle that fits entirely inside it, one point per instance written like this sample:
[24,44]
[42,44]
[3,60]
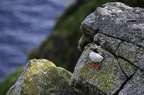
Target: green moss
[44,78]
[108,78]
[10,80]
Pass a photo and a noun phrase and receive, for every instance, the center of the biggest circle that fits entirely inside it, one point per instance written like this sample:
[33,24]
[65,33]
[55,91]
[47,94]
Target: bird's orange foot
[97,66]
[92,65]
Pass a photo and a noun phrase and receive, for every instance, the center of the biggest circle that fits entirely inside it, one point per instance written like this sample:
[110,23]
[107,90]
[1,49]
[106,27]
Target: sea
[24,25]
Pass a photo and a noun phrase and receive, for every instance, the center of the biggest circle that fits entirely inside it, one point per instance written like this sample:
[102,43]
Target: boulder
[42,77]
[118,31]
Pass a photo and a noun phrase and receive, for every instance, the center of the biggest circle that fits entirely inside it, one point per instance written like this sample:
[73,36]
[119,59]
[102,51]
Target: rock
[132,53]
[117,20]
[128,68]
[42,77]
[135,86]
[108,78]
[109,43]
[117,30]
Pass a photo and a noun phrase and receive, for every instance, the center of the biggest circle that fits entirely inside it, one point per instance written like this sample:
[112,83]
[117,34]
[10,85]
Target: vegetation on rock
[42,77]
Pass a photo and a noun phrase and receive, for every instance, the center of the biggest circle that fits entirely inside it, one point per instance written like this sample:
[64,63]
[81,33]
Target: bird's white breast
[95,57]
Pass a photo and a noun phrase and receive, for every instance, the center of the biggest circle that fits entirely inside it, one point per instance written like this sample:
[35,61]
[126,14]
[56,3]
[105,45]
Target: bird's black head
[94,48]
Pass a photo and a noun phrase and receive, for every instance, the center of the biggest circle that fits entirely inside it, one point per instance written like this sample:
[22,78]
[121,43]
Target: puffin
[95,57]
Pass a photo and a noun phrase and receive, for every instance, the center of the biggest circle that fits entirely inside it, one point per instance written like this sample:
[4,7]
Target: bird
[95,57]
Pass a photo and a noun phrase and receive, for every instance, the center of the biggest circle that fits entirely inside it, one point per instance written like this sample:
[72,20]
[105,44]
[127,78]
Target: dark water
[24,24]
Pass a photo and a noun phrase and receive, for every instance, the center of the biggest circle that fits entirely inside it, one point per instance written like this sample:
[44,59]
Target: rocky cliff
[117,31]
[65,34]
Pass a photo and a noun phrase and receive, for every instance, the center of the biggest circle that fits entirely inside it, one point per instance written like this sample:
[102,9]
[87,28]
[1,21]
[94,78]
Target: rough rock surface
[119,31]
[108,78]
[42,77]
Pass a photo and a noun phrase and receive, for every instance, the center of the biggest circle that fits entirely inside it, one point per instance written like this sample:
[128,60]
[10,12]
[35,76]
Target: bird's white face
[94,47]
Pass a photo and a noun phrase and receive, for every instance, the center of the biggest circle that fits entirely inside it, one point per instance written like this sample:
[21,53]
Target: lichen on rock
[108,78]
[42,77]
[135,85]
[132,53]
[117,29]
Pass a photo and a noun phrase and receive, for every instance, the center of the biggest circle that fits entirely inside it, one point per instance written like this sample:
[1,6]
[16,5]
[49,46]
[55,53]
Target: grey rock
[127,67]
[108,78]
[90,27]
[42,77]
[117,20]
[134,86]
[132,53]
[84,40]
[118,30]
[108,43]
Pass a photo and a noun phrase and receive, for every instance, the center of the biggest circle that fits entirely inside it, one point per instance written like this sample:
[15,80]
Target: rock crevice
[124,83]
